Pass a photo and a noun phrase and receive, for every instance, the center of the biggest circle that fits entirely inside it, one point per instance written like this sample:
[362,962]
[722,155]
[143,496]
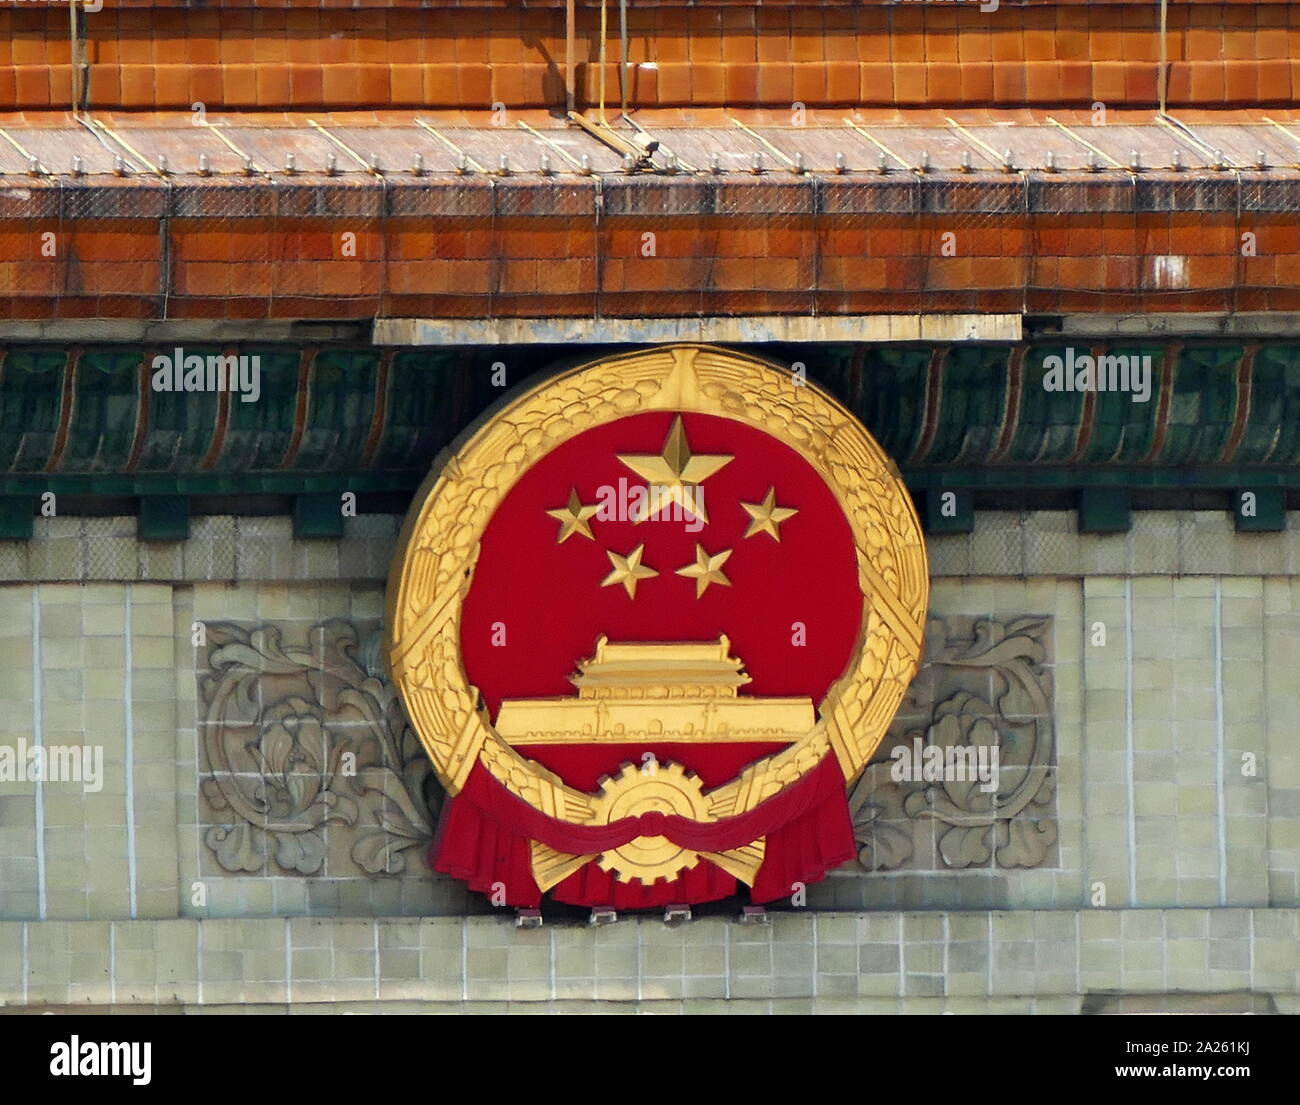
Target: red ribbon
[500,805]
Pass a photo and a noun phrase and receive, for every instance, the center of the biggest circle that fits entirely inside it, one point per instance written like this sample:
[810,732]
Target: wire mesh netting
[294,222]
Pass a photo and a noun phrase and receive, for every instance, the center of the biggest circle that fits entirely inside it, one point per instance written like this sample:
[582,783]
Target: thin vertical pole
[569,18]
[74,57]
[1164,54]
[622,34]
[604,34]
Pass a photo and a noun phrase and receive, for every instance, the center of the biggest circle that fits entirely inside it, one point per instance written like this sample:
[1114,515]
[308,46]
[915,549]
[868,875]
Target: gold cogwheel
[666,788]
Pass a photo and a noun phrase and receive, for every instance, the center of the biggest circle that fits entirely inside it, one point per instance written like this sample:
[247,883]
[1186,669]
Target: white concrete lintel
[761,328]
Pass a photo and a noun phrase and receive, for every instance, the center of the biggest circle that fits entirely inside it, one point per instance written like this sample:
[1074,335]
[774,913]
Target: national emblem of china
[650,619]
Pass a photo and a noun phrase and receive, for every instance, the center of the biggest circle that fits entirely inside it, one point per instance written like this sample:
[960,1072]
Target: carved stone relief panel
[309,768]
[307,765]
[984,684]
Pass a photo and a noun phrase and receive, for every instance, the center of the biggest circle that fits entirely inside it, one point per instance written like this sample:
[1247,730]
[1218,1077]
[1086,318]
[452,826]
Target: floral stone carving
[984,682]
[308,763]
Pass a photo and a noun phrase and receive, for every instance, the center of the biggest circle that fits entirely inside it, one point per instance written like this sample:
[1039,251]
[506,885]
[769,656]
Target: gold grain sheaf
[440,543]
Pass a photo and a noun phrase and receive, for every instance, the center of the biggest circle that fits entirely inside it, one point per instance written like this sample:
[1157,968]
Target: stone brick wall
[1193,960]
[1146,721]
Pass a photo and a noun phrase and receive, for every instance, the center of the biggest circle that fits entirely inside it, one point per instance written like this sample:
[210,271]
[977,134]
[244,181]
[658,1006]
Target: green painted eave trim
[1105,510]
[405,483]
[140,486]
[318,516]
[1060,478]
[164,518]
[16,518]
[85,420]
[1268,510]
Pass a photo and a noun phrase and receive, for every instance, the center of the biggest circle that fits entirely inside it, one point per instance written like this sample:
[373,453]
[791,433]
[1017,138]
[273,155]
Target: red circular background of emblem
[548,598]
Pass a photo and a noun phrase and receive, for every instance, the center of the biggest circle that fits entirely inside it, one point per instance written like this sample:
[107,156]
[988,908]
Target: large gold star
[766,516]
[628,570]
[706,569]
[573,518]
[674,475]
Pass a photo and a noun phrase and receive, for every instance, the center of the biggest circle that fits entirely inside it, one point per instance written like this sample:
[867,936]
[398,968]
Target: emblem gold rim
[439,546]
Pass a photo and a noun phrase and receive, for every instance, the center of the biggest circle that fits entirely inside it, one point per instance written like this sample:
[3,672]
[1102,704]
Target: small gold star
[628,570]
[573,518]
[766,516]
[706,569]
[674,475]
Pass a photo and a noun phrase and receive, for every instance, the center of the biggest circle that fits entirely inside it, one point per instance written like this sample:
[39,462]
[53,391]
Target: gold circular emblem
[439,547]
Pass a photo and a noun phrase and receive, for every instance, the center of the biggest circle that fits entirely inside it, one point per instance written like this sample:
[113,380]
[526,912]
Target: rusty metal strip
[113,136]
[244,157]
[341,145]
[1274,123]
[1170,123]
[1187,132]
[880,145]
[555,146]
[16,145]
[451,146]
[995,154]
[1084,142]
[768,145]
[115,146]
[1289,133]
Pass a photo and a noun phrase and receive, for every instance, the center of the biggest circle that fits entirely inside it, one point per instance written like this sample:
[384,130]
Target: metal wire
[474,244]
